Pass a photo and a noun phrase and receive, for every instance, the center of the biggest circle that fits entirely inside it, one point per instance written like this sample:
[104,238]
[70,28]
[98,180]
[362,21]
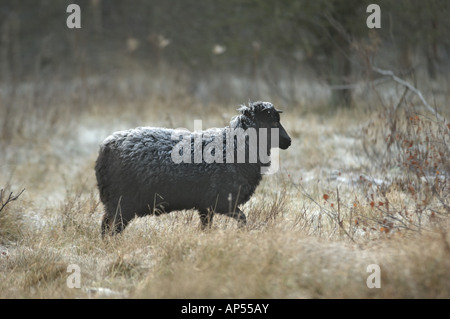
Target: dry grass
[298,243]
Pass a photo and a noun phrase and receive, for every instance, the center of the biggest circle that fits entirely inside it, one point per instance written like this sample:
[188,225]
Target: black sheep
[150,170]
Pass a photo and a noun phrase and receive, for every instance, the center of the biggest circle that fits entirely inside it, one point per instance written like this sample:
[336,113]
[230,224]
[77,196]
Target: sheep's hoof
[242,225]
[205,227]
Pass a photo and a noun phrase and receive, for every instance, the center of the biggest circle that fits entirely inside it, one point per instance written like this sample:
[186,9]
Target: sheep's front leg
[206,217]
[239,216]
[111,226]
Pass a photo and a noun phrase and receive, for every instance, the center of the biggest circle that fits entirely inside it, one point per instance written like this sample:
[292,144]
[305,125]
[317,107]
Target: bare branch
[410,87]
[10,198]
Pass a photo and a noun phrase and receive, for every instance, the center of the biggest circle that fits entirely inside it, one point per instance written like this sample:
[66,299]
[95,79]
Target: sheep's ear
[279,111]
[244,110]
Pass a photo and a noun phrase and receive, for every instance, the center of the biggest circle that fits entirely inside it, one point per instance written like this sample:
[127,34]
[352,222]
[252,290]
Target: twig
[329,214]
[401,99]
[9,199]
[409,86]
[340,222]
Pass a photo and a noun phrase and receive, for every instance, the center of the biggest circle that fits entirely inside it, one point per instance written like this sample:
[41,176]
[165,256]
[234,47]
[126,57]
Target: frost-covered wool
[137,176]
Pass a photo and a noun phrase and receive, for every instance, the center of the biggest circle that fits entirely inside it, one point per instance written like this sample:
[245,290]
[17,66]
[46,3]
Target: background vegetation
[366,180]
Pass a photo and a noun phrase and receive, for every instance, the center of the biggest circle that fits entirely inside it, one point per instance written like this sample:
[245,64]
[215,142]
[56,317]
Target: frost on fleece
[137,176]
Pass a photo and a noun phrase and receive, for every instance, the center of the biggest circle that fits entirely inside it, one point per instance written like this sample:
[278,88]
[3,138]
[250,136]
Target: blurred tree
[325,30]
[418,28]
[257,38]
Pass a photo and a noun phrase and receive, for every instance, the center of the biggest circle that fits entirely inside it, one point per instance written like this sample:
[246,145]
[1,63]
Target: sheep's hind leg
[239,216]
[206,218]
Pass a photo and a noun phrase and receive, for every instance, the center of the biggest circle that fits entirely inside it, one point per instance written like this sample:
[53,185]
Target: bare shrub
[410,144]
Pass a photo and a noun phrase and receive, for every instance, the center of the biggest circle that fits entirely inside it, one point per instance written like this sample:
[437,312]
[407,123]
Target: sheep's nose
[285,143]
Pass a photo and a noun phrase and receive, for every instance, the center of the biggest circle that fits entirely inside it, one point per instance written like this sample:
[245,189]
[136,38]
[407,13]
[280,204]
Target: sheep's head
[265,115]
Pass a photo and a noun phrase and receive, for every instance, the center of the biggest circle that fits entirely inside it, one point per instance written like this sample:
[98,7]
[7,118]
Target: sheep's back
[142,161]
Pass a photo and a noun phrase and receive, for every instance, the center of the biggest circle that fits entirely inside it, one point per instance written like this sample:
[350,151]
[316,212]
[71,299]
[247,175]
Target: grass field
[358,187]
